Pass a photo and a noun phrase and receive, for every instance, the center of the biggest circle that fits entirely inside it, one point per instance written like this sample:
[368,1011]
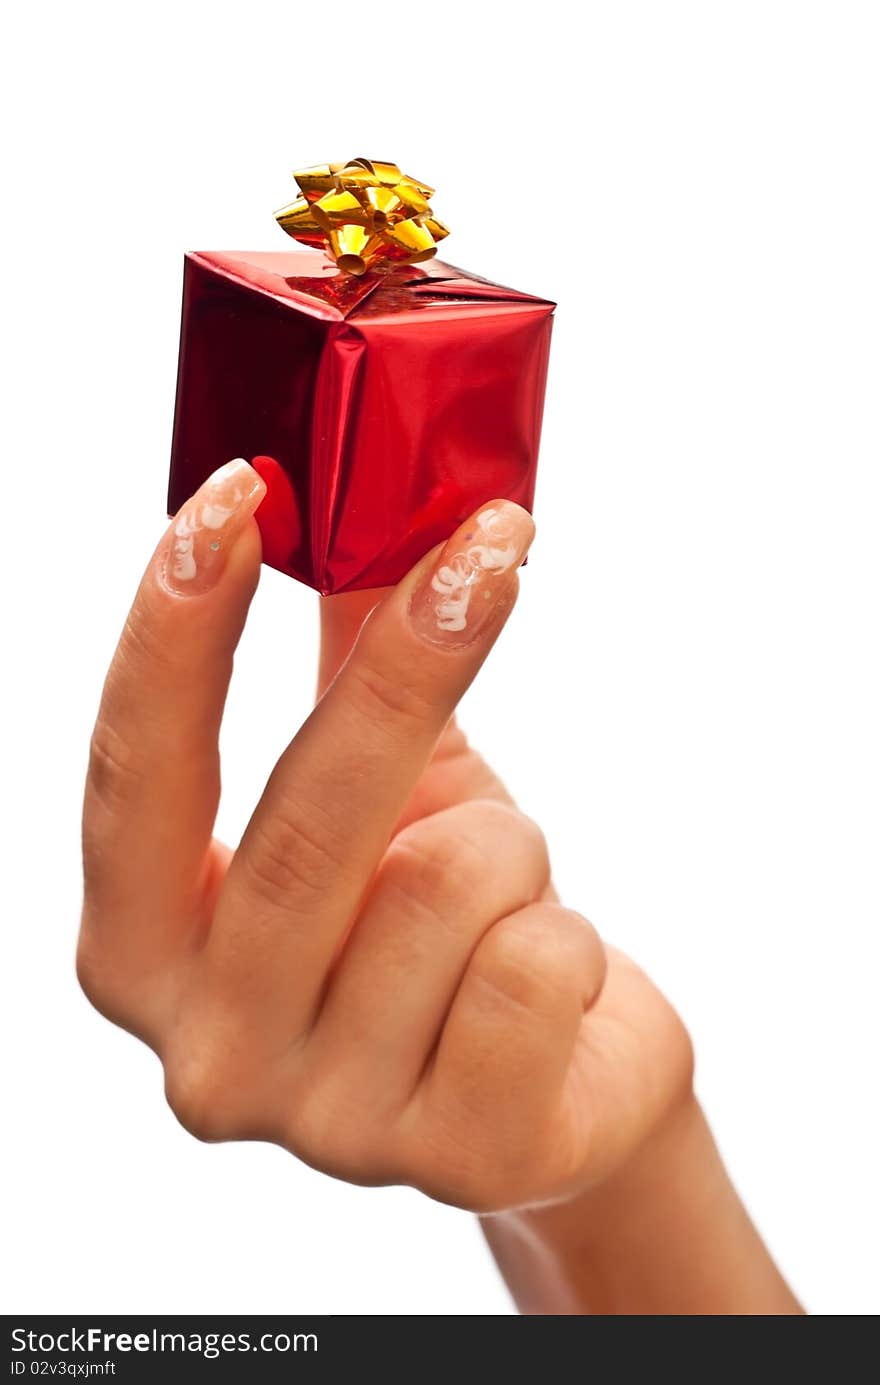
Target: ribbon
[366,213]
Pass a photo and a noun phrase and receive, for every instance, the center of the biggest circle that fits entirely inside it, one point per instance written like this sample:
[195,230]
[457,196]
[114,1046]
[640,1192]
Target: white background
[687,697]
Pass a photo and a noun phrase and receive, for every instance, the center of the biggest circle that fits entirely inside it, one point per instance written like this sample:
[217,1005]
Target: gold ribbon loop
[366,213]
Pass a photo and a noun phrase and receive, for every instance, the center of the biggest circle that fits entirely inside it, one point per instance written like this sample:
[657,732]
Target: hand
[379,977]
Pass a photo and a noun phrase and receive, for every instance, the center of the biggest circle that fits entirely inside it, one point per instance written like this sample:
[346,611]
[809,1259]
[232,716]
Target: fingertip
[245,557]
[469,587]
[206,531]
[518,514]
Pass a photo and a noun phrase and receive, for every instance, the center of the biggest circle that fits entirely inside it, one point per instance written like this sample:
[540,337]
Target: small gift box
[382,397]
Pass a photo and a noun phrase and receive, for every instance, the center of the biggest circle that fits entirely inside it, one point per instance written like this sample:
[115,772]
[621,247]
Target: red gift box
[381,410]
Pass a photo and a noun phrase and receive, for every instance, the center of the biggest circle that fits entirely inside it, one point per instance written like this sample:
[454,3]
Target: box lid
[310,281]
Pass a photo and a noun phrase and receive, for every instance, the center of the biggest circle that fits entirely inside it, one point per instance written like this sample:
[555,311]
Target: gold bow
[367,213]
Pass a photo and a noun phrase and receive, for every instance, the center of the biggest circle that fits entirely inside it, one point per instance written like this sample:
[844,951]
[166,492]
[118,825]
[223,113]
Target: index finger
[335,796]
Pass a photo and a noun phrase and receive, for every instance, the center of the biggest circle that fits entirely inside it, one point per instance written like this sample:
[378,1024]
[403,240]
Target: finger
[334,798]
[442,884]
[341,620]
[455,773]
[153,780]
[508,1042]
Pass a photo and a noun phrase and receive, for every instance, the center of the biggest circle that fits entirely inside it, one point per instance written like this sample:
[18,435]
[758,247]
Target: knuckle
[434,869]
[514,830]
[503,832]
[287,856]
[330,1128]
[450,864]
[567,934]
[385,693]
[318,1121]
[674,1039]
[118,989]
[115,770]
[468,839]
[530,956]
[197,1088]
[572,953]
[97,982]
[144,641]
[225,1079]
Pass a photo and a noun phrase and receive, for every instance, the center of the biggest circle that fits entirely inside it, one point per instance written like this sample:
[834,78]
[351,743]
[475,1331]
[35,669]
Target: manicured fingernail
[473,575]
[207,526]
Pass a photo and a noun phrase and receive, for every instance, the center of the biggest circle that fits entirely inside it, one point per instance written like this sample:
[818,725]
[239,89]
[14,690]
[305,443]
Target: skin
[380,978]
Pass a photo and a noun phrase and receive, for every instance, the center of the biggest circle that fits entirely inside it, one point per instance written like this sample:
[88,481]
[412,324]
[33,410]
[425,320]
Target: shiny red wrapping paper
[380,410]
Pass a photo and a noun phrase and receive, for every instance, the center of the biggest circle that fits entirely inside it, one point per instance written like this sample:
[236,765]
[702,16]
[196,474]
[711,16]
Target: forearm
[667,1235]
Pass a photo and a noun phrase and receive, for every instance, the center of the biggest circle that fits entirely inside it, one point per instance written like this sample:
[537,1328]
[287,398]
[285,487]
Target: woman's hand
[379,977]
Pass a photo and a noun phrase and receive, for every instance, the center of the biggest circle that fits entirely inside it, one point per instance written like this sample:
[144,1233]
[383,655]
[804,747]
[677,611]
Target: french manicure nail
[205,528]
[472,575]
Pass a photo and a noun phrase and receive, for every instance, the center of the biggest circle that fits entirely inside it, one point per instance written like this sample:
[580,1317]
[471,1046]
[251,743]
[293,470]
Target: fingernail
[206,527]
[473,575]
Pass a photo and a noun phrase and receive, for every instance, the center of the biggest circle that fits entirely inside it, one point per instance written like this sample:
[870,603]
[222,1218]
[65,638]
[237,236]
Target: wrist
[545,1251]
[664,1234]
[675,1144]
